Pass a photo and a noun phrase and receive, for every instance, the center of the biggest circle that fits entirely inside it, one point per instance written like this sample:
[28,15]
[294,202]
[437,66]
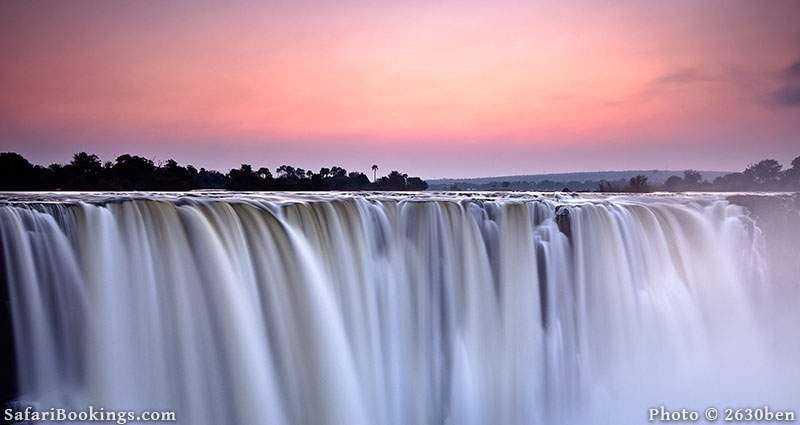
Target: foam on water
[392,309]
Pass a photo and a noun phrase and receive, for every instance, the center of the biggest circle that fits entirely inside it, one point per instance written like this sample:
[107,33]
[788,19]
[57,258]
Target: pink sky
[430,88]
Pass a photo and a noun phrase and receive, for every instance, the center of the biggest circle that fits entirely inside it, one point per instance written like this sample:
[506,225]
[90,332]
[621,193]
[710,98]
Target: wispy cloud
[788,94]
[683,76]
[669,82]
[793,70]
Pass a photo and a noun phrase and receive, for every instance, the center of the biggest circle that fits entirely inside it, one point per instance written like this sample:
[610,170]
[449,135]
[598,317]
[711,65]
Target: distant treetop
[131,172]
[765,175]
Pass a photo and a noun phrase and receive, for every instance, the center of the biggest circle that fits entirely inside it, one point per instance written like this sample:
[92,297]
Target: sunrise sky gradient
[434,89]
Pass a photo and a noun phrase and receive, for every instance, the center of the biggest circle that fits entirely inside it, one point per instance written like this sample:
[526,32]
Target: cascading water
[392,309]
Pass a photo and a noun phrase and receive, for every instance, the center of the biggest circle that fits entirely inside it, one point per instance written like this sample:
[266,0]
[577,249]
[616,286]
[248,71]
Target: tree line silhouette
[131,172]
[765,175]
[86,172]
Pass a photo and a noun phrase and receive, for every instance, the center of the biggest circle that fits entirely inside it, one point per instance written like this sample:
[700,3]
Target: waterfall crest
[368,309]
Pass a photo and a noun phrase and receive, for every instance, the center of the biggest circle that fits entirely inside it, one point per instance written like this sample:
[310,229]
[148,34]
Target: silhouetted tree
[338,171]
[733,181]
[286,171]
[764,173]
[394,181]
[16,173]
[133,172]
[638,184]
[245,179]
[84,173]
[692,178]
[171,176]
[338,179]
[607,186]
[416,183]
[673,183]
[264,173]
[210,179]
[790,179]
[85,162]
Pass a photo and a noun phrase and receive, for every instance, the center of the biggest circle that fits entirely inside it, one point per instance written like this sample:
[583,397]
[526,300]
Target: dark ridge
[767,175]
[563,220]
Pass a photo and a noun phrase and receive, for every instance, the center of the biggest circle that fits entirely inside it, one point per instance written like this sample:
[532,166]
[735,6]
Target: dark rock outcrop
[563,220]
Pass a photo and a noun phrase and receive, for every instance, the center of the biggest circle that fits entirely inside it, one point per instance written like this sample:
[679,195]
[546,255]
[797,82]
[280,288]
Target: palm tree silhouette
[374,173]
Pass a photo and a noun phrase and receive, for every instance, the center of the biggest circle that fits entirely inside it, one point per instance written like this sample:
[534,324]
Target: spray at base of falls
[348,309]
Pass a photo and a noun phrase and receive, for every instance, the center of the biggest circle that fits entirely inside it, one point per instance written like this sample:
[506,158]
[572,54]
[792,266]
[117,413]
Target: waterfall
[391,309]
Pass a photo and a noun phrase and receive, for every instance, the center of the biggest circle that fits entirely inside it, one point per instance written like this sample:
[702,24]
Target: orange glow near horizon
[441,77]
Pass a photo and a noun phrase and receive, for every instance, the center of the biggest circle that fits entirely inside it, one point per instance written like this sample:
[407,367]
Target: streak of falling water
[395,310]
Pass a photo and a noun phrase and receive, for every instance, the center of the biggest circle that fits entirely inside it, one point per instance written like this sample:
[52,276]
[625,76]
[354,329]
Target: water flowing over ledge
[393,308]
